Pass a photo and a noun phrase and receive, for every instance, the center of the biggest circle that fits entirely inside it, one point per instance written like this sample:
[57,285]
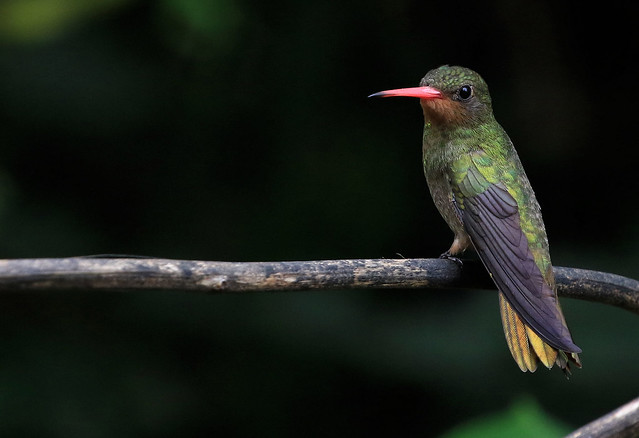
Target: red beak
[420,92]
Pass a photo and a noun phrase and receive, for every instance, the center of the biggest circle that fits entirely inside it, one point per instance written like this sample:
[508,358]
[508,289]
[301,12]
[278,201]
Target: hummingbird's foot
[448,256]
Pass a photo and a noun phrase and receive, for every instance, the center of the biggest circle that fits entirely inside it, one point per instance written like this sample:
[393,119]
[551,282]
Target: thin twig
[120,273]
[623,422]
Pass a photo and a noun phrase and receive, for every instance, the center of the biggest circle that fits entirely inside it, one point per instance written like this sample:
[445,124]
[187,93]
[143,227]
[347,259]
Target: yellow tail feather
[517,337]
[527,348]
[546,354]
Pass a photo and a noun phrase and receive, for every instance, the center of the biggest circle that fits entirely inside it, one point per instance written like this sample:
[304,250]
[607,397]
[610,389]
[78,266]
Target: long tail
[527,348]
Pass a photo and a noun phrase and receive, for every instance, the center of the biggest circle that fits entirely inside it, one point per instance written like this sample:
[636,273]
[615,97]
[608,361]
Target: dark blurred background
[240,131]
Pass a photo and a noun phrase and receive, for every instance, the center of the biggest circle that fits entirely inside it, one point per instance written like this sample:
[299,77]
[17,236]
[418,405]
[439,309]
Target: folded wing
[491,219]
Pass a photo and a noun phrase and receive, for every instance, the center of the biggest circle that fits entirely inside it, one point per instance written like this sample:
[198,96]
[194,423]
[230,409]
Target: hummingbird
[479,186]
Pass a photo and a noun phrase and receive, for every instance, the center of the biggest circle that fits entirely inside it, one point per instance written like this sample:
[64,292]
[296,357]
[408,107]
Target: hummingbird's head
[449,96]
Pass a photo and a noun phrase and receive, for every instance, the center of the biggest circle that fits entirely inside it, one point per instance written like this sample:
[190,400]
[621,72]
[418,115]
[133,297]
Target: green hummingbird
[481,190]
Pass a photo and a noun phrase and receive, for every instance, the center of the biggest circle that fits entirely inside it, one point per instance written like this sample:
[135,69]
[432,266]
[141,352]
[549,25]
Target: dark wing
[491,219]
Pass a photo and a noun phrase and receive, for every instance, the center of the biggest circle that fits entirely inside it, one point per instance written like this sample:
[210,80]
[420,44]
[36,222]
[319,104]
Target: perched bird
[480,188]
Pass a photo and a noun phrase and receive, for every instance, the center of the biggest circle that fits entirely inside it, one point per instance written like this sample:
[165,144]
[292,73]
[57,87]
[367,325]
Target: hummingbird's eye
[465,92]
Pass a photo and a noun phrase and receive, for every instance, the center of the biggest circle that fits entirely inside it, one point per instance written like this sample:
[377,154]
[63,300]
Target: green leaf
[40,20]
[523,419]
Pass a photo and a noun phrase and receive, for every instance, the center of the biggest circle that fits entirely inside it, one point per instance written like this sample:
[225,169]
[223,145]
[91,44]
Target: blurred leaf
[38,20]
[523,419]
[199,27]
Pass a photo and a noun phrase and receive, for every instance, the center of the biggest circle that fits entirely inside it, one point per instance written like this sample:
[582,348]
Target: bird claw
[447,256]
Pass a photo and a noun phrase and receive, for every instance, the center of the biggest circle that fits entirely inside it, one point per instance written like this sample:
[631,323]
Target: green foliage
[41,20]
[524,419]
[201,28]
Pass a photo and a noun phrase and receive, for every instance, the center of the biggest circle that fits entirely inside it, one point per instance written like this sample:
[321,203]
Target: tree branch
[623,422]
[138,273]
